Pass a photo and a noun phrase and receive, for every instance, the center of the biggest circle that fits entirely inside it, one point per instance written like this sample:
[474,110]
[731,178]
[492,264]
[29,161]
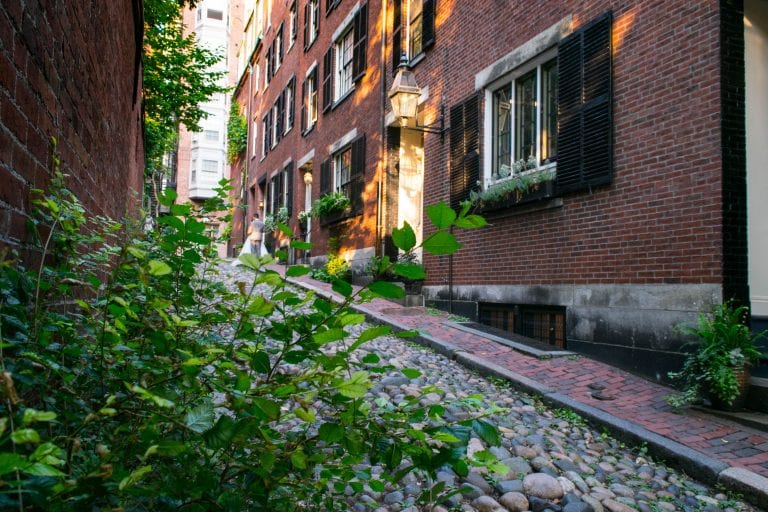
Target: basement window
[543,323]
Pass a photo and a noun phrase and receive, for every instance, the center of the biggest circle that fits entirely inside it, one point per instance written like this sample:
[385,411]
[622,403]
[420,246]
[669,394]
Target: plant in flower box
[329,204]
[512,185]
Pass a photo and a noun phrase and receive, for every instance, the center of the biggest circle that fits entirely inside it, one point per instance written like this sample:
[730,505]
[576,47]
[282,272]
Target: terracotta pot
[742,380]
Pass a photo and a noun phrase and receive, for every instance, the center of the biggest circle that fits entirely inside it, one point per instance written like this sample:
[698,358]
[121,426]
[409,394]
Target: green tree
[177,79]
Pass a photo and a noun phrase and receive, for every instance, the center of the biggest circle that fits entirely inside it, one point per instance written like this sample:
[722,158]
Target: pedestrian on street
[256,234]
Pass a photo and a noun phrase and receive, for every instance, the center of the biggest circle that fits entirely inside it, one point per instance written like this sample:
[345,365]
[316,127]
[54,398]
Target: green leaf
[412,271]
[31,416]
[170,220]
[302,246]
[410,333]
[371,334]
[159,268]
[167,197]
[200,418]
[194,226]
[371,359]
[331,432]
[10,462]
[181,210]
[221,434]
[441,243]
[404,238]
[445,437]
[146,395]
[270,409]
[441,215]
[342,287]
[356,386]
[25,435]
[297,270]
[260,362]
[134,477]
[305,414]
[329,335]
[487,432]
[250,260]
[299,459]
[471,222]
[352,319]
[285,229]
[411,373]
[40,469]
[386,290]
[260,306]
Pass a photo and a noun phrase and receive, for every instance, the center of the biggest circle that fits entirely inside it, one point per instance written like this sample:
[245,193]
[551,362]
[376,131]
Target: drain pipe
[383,163]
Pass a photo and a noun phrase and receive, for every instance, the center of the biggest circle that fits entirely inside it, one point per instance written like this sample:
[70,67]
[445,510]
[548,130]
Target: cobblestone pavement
[544,444]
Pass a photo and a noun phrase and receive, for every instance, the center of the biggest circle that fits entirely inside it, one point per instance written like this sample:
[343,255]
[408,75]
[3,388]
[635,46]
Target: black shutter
[280,187]
[359,50]
[326,181]
[328,6]
[397,39]
[291,106]
[357,175]
[281,113]
[428,24]
[278,118]
[282,42]
[317,17]
[328,79]
[289,189]
[306,25]
[275,188]
[268,67]
[464,149]
[304,106]
[585,108]
[269,130]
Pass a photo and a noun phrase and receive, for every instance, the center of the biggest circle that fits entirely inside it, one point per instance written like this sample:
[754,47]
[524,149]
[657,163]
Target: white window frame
[255,128]
[314,13]
[293,19]
[489,172]
[275,112]
[208,161]
[338,169]
[312,106]
[343,80]
[288,98]
[264,132]
[211,138]
[278,49]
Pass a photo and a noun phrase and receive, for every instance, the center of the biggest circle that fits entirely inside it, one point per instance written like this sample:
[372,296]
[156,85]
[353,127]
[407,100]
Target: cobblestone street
[556,460]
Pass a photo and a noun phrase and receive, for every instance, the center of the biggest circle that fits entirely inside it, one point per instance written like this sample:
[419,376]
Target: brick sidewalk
[624,396]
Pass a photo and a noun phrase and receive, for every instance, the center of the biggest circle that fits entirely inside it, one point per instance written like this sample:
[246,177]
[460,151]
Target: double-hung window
[311,22]
[309,101]
[524,119]
[413,28]
[344,75]
[342,171]
[292,25]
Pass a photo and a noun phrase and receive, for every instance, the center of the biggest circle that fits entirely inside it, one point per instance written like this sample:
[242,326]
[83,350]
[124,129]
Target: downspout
[381,182]
[248,150]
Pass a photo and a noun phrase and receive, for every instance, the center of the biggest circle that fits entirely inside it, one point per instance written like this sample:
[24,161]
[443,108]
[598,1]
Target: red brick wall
[660,220]
[361,110]
[68,70]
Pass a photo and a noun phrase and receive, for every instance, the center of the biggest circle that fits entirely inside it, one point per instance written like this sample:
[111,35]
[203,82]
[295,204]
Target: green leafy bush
[724,344]
[134,379]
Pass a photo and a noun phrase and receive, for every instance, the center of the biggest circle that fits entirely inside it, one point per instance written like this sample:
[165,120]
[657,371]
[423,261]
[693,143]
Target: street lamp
[404,97]
[308,178]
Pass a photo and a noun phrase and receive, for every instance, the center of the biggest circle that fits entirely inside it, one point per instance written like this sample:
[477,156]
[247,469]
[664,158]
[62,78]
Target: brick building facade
[55,82]
[630,209]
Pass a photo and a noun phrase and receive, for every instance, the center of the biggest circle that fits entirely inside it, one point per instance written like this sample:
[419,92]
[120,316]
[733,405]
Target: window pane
[525,116]
[342,169]
[211,135]
[215,15]
[549,111]
[502,127]
[210,166]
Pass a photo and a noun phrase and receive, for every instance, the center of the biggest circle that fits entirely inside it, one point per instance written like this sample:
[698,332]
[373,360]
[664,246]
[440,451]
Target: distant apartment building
[201,157]
[614,148]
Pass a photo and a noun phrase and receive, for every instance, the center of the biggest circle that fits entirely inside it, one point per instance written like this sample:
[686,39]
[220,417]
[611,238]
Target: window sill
[414,61]
[306,48]
[308,130]
[343,97]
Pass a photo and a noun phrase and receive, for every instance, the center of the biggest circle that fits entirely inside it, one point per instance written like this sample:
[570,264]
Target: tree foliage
[237,132]
[177,78]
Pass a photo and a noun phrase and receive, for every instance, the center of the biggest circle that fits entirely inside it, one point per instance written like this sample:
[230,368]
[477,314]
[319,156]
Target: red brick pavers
[631,398]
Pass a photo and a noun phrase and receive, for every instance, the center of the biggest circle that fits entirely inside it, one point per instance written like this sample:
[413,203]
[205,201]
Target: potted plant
[718,367]
[331,207]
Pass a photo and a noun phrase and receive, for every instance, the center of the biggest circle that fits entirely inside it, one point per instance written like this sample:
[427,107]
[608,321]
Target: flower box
[536,192]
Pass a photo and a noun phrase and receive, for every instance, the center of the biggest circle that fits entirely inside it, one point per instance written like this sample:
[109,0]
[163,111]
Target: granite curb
[707,469]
